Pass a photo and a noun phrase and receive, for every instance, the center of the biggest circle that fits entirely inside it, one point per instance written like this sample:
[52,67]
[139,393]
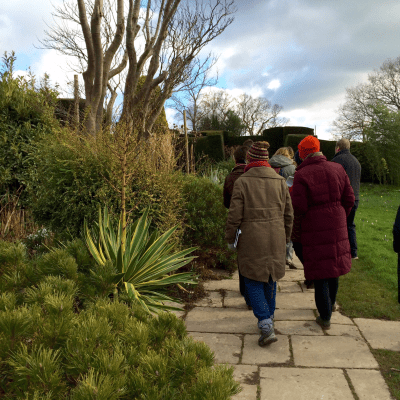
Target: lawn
[370,289]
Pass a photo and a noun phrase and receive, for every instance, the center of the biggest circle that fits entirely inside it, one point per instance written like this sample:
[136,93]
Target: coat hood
[280,161]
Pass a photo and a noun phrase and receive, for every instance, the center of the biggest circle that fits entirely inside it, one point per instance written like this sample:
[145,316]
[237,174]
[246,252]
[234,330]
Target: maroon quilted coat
[322,198]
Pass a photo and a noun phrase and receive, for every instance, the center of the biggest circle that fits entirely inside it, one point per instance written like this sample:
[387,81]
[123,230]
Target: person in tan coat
[261,208]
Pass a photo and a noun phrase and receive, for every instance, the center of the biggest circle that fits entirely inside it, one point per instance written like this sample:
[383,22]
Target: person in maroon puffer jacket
[322,199]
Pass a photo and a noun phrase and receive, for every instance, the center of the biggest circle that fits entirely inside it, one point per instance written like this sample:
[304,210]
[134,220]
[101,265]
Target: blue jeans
[261,296]
[351,229]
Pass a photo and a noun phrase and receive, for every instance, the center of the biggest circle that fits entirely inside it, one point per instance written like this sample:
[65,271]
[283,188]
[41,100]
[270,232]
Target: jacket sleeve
[348,197]
[396,233]
[288,213]
[235,214]
[299,195]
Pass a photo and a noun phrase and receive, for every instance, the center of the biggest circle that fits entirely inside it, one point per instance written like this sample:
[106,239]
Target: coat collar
[345,151]
[265,172]
[312,160]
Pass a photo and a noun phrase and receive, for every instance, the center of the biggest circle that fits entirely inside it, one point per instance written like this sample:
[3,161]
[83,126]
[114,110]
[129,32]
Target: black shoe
[323,323]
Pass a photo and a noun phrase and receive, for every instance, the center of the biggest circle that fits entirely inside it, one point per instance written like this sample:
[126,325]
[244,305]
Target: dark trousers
[325,296]
[298,249]
[351,229]
[261,296]
[398,277]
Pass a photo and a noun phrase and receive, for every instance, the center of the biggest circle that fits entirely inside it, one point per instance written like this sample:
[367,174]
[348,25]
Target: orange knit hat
[308,145]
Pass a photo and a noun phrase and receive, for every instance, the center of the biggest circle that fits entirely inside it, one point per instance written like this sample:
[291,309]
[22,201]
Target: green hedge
[211,146]
[328,148]
[294,140]
[274,136]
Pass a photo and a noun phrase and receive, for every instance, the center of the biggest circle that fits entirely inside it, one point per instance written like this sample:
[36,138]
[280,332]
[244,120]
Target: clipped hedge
[211,146]
[294,140]
[274,136]
[52,348]
[328,148]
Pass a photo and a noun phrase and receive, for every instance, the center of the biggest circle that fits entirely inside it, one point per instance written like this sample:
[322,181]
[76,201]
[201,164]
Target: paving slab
[380,334]
[233,299]
[298,328]
[249,378]
[213,299]
[369,384]
[277,352]
[293,275]
[289,287]
[341,319]
[297,263]
[221,320]
[295,301]
[225,284]
[227,348]
[294,315]
[235,275]
[304,288]
[344,330]
[332,352]
[303,384]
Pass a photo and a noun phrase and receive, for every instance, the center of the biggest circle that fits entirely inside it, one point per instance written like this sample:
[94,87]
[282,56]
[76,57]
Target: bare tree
[159,39]
[187,96]
[258,113]
[179,35]
[357,113]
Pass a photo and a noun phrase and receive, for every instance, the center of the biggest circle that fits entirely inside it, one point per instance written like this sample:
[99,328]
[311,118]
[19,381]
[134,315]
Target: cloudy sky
[301,54]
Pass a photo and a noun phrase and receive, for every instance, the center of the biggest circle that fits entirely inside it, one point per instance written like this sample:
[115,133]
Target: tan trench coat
[262,208]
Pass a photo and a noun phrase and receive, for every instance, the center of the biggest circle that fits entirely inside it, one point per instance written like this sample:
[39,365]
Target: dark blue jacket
[352,167]
[396,233]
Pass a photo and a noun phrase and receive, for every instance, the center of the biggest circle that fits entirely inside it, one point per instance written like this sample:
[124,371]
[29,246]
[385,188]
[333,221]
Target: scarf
[256,164]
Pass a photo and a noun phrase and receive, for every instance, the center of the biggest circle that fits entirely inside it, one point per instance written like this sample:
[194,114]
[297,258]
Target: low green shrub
[205,221]
[107,351]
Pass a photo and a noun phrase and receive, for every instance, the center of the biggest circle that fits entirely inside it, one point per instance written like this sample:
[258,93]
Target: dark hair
[297,158]
[240,154]
[248,143]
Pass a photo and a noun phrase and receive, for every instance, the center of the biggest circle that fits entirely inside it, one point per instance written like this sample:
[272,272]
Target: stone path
[306,362]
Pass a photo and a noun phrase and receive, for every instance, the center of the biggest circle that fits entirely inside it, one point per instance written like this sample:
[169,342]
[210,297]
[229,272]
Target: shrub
[26,115]
[77,174]
[107,351]
[206,219]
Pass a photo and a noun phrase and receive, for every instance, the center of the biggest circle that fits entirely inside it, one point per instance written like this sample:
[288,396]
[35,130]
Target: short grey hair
[343,144]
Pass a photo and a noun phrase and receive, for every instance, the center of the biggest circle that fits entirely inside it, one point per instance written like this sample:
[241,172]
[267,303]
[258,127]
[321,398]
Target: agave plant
[144,261]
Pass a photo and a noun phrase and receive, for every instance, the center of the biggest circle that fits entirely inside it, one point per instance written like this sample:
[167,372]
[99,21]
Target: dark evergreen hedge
[328,148]
[293,140]
[211,146]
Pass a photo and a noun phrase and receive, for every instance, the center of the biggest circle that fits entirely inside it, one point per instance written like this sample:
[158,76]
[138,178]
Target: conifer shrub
[52,348]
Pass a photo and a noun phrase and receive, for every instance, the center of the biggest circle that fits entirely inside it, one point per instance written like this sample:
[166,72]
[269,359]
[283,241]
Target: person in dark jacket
[353,170]
[322,199]
[396,248]
[240,159]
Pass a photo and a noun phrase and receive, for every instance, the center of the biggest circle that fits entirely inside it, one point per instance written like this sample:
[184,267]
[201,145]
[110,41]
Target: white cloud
[274,84]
